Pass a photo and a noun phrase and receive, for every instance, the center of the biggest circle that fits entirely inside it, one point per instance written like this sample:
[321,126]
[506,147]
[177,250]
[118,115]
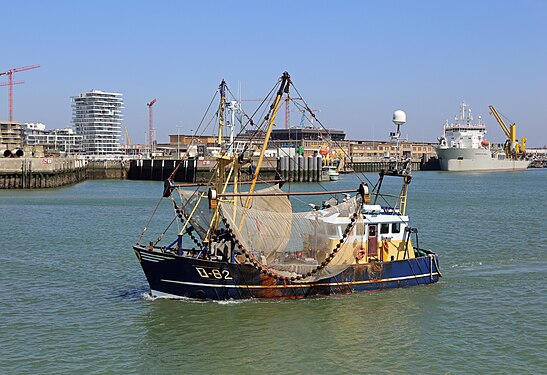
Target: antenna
[399,118]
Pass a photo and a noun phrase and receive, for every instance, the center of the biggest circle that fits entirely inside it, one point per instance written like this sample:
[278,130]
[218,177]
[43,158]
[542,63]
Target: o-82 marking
[214,273]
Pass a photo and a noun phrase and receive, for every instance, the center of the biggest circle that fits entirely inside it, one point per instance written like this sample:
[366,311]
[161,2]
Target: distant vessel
[463,147]
[332,172]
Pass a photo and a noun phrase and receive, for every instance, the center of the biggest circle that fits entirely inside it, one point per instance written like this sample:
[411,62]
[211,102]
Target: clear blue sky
[357,61]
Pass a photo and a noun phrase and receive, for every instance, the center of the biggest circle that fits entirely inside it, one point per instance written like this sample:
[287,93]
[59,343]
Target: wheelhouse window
[384,228]
[396,228]
[331,229]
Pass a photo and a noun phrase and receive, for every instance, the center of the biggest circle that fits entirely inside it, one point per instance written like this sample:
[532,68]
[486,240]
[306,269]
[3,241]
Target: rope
[149,220]
[437,266]
[336,143]
[193,136]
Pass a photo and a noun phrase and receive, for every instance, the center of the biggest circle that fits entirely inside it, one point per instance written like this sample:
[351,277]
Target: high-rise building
[97,116]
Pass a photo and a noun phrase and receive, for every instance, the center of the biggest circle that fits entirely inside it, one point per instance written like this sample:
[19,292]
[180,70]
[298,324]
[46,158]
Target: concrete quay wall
[30,173]
[107,169]
[37,173]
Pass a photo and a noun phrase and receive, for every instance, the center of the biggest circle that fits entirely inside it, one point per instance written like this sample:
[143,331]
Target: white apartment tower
[97,116]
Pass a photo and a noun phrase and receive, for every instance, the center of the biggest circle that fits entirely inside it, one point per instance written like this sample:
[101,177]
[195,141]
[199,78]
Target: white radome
[399,117]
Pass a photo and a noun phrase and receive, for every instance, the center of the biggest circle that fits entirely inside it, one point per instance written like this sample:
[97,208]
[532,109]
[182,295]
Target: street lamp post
[178,141]
[146,146]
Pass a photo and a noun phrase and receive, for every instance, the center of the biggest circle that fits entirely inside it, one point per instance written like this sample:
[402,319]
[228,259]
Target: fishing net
[194,204]
[295,243]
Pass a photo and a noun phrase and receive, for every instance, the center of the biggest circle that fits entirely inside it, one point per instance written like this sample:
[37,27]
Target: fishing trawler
[462,146]
[228,239]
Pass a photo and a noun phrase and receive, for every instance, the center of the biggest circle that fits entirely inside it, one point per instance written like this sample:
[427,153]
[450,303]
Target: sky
[356,61]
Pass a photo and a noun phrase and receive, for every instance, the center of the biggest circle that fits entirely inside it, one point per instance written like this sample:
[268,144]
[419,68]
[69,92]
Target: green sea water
[73,299]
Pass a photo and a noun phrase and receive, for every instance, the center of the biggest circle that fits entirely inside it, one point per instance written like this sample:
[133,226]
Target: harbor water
[73,298]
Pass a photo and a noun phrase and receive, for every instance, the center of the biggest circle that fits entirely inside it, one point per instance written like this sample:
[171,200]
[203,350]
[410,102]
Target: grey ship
[463,147]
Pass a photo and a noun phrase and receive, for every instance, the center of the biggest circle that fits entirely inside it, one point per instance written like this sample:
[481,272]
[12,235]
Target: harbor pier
[107,169]
[161,169]
[297,169]
[300,168]
[290,168]
[37,173]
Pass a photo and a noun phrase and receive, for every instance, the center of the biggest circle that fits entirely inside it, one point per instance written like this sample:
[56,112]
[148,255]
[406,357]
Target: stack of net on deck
[294,243]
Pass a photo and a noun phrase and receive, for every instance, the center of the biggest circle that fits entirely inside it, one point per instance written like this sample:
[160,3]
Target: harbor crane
[10,83]
[513,148]
[151,122]
[127,138]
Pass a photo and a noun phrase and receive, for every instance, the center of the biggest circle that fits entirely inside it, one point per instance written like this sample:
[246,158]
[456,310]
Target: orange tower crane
[9,73]
[151,122]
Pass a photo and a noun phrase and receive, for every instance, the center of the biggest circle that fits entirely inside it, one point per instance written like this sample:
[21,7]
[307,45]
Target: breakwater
[37,173]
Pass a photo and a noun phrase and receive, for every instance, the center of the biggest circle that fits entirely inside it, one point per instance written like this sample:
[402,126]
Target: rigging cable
[337,143]
[193,136]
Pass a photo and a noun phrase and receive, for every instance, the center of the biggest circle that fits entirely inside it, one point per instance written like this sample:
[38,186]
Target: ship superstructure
[463,147]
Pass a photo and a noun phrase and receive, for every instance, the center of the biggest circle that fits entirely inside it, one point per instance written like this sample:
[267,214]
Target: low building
[301,133]
[53,141]
[332,144]
[363,151]
[10,135]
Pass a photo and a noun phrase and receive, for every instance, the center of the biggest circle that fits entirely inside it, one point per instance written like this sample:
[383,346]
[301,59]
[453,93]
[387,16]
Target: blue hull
[173,276]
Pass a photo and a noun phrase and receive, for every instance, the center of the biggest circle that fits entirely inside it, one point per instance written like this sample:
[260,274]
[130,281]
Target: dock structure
[160,170]
[37,173]
[107,169]
[290,168]
[297,169]
[30,173]
[376,166]
[300,168]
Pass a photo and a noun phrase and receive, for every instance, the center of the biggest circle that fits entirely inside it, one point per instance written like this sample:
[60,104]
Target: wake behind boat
[463,147]
[227,239]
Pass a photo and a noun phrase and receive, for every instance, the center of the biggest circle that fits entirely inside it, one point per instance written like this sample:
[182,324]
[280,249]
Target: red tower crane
[10,83]
[151,122]
[13,83]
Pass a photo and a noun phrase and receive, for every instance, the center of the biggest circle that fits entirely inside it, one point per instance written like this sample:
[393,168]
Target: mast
[223,161]
[232,107]
[222,88]
[283,88]
[401,167]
